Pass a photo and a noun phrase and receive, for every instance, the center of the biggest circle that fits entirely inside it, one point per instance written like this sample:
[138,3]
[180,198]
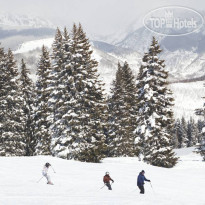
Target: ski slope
[80,183]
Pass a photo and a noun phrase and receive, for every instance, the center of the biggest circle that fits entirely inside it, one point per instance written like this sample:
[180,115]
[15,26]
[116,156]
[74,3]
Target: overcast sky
[97,16]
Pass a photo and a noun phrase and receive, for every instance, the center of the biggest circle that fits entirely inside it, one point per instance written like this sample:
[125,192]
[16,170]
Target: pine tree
[92,110]
[200,148]
[12,118]
[155,119]
[191,133]
[175,133]
[184,141]
[180,134]
[42,108]
[122,113]
[27,92]
[200,125]
[201,145]
[80,116]
[66,123]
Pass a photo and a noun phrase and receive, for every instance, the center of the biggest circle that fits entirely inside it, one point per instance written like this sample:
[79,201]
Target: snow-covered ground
[80,183]
[188,97]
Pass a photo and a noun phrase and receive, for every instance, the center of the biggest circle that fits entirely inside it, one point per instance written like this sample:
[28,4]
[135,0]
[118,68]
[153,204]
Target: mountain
[17,29]
[12,20]
[184,55]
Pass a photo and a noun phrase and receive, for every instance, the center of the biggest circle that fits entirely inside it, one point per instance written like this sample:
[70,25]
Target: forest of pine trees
[67,114]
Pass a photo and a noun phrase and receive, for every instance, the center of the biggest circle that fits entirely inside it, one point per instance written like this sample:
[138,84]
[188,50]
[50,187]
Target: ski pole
[151,186]
[53,169]
[102,186]
[40,179]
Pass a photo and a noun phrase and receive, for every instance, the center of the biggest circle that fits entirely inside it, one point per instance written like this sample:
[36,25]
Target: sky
[101,17]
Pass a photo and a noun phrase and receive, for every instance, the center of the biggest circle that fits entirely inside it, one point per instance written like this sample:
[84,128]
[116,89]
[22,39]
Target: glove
[149,180]
[112,181]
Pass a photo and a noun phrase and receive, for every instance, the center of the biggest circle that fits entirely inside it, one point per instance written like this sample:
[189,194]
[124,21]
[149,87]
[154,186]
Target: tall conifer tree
[155,110]
[123,113]
[27,92]
[42,108]
[12,118]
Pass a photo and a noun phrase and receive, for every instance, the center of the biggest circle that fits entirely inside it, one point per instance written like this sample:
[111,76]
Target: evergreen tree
[66,123]
[12,118]
[201,145]
[200,125]
[122,114]
[42,108]
[83,108]
[184,141]
[57,61]
[27,92]
[155,119]
[175,134]
[191,133]
[93,114]
[180,134]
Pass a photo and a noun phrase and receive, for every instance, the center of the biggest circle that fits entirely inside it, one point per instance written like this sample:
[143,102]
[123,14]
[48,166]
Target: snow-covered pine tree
[200,148]
[42,109]
[175,133]
[184,142]
[201,145]
[191,133]
[122,114]
[66,125]
[200,125]
[91,107]
[155,103]
[12,118]
[57,61]
[180,134]
[78,100]
[27,92]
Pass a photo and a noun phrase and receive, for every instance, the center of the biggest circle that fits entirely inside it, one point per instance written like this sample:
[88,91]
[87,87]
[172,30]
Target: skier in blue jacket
[140,181]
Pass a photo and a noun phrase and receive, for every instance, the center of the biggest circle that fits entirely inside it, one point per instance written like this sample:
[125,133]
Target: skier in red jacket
[107,179]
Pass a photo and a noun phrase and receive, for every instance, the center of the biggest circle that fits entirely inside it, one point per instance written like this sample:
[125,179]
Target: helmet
[143,171]
[107,173]
[47,164]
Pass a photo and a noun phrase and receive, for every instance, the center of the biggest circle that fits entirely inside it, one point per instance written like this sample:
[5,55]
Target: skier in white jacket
[45,173]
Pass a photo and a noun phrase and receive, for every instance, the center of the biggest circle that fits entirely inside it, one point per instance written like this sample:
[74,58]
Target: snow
[14,20]
[32,45]
[80,183]
[188,97]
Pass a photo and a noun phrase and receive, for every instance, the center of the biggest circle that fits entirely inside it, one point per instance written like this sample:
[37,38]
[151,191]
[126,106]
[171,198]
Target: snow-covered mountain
[12,20]
[17,29]
[184,55]
[78,183]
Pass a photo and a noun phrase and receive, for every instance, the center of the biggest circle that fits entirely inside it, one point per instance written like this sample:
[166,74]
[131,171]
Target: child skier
[140,181]
[106,180]
[45,173]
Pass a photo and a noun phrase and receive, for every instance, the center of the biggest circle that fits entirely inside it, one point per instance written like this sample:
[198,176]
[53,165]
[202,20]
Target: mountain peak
[15,20]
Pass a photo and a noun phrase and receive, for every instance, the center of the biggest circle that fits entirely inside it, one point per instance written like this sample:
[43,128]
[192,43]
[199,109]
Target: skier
[45,173]
[140,181]
[107,179]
